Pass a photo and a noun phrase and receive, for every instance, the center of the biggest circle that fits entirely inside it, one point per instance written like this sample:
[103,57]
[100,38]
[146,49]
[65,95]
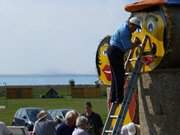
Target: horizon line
[46,74]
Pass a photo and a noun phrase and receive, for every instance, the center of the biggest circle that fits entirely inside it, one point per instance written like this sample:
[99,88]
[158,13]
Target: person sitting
[81,126]
[68,126]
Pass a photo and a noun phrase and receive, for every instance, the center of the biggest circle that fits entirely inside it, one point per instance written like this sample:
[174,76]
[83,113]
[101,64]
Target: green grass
[99,105]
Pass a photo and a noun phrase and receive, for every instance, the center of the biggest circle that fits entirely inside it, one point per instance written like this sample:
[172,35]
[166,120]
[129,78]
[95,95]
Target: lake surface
[7,80]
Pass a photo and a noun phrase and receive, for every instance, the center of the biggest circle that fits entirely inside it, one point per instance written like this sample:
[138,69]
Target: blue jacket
[122,38]
[63,129]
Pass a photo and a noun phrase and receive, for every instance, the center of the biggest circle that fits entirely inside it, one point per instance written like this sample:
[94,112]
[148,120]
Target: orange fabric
[143,4]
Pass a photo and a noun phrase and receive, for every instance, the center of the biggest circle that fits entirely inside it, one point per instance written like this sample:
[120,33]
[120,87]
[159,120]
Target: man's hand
[137,41]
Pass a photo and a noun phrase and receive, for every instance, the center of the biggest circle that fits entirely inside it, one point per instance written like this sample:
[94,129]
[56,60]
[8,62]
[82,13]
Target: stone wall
[159,102]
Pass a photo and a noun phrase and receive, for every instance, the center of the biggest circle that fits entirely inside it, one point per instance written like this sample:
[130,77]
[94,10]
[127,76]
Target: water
[8,80]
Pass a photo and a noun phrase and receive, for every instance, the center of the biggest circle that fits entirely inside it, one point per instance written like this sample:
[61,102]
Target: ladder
[119,119]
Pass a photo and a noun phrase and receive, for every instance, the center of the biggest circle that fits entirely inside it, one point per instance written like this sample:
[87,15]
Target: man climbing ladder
[119,44]
[120,117]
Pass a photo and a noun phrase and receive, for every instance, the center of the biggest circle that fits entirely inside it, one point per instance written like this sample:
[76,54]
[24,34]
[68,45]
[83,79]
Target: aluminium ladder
[119,119]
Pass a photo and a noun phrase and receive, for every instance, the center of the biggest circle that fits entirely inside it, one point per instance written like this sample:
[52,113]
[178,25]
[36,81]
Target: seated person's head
[82,122]
[88,107]
[42,115]
[70,118]
[130,129]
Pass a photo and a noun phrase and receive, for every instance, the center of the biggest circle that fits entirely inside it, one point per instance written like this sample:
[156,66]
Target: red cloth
[147,60]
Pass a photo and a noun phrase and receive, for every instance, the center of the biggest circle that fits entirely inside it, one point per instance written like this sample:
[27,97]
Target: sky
[55,36]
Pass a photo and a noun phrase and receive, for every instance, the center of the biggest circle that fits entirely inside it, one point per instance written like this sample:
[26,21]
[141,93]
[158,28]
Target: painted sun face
[152,25]
[102,62]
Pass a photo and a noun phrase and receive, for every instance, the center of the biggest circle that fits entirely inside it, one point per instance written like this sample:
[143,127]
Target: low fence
[85,91]
[19,92]
[79,91]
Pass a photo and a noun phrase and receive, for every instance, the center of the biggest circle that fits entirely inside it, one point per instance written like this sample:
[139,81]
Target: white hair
[81,121]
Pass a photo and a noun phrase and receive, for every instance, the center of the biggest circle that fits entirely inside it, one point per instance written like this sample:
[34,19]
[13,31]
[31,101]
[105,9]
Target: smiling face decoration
[153,26]
[159,21]
[102,62]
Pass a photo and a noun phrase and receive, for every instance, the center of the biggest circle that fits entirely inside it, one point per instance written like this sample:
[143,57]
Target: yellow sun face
[102,62]
[153,26]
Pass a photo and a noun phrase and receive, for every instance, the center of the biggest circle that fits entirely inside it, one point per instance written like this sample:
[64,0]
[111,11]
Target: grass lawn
[6,115]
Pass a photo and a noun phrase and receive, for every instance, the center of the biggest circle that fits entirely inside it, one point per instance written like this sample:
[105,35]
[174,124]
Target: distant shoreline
[41,80]
[51,85]
[48,74]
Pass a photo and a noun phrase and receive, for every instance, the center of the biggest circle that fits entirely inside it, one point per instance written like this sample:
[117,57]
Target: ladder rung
[128,73]
[113,116]
[108,131]
[132,59]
